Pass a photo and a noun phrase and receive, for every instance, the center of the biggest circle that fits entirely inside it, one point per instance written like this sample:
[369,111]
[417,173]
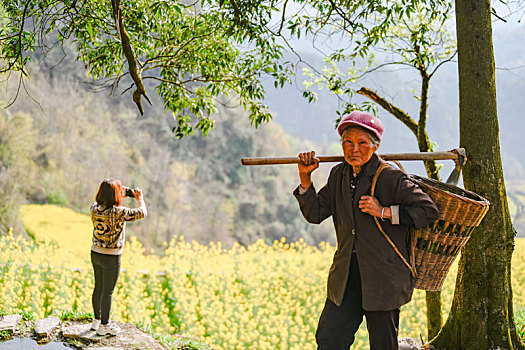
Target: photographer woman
[109,222]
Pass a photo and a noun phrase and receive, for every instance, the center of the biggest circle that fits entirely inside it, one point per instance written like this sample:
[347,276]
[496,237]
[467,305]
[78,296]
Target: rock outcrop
[52,330]
[9,322]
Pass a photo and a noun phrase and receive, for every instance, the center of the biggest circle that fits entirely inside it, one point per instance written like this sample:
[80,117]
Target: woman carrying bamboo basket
[367,277]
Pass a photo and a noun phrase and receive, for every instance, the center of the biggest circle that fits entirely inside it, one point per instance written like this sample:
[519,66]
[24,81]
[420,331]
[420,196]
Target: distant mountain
[315,121]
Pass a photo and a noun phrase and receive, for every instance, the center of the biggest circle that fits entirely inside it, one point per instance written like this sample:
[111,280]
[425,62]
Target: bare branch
[390,108]
[511,69]
[341,14]
[130,56]
[493,12]
[369,71]
[199,79]
[22,84]
[282,18]
[442,63]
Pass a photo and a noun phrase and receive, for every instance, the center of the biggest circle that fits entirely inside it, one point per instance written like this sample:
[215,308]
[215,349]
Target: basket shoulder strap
[392,244]
[376,175]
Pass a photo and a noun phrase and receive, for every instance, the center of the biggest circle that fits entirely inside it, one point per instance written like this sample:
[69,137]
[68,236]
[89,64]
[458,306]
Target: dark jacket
[386,282]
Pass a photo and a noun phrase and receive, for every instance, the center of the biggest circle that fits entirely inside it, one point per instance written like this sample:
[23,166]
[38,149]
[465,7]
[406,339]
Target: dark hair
[109,193]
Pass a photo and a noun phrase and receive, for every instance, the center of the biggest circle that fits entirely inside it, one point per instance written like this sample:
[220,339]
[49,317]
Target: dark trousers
[106,268]
[338,324]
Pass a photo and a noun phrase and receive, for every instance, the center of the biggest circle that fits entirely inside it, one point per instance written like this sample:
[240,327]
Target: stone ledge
[43,328]
[82,331]
[408,344]
[74,333]
[9,322]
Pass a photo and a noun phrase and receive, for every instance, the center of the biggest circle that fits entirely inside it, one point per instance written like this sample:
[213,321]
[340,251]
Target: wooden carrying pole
[453,154]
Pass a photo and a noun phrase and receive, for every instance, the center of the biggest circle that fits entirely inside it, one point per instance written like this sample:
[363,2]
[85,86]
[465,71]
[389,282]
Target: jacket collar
[365,178]
[371,166]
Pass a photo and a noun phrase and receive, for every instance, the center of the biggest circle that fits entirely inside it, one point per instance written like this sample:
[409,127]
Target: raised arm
[315,206]
[136,213]
[309,162]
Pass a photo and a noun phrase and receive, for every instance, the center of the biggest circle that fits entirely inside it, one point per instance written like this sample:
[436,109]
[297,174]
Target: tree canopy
[192,53]
[196,51]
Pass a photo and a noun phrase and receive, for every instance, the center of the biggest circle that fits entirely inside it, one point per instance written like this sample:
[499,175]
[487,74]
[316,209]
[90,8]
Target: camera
[128,192]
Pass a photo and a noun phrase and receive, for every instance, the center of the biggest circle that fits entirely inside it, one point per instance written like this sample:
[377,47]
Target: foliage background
[59,149]
[194,187]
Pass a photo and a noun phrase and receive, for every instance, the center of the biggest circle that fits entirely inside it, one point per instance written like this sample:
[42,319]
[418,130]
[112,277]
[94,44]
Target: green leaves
[404,32]
[196,57]
[190,55]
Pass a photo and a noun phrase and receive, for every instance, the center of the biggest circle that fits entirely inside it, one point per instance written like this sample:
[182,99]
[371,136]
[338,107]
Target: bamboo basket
[435,247]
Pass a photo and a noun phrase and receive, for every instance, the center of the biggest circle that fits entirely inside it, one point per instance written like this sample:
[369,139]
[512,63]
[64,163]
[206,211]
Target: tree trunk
[434,314]
[481,313]
[422,137]
[433,299]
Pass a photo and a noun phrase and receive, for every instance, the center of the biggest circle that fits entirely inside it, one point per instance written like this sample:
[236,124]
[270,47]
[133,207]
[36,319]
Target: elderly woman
[367,277]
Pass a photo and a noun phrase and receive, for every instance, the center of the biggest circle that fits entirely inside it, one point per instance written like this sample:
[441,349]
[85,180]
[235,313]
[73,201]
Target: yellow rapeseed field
[254,297]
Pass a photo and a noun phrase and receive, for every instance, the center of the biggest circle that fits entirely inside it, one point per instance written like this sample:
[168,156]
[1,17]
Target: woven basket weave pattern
[438,244]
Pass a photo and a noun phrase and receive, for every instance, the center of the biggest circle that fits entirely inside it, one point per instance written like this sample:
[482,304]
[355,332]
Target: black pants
[338,324]
[106,268]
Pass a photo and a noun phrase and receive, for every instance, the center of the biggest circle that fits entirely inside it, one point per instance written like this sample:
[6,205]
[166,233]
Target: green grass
[174,342]
[74,315]
[28,315]
[519,320]
[5,335]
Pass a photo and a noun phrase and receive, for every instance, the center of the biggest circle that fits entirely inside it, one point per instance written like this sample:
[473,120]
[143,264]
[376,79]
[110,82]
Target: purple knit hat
[364,120]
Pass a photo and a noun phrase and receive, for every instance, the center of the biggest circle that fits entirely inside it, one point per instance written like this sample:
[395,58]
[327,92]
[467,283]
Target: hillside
[59,149]
[195,187]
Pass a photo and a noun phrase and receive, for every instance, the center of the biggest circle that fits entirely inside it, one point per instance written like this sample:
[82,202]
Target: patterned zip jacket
[109,226]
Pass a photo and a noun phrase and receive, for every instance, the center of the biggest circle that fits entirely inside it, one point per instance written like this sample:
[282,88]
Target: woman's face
[357,146]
